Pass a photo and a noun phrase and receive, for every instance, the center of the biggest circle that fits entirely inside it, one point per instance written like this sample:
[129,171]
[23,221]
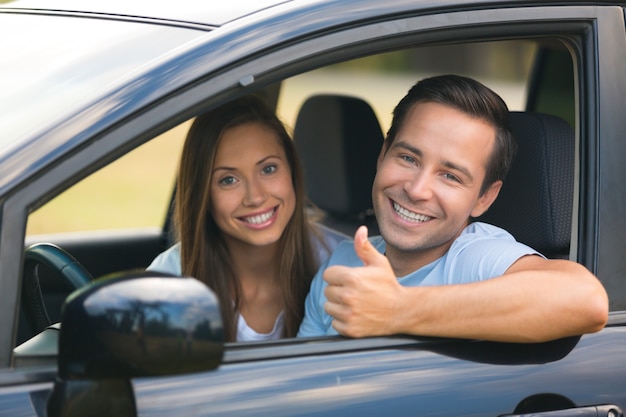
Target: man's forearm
[557,299]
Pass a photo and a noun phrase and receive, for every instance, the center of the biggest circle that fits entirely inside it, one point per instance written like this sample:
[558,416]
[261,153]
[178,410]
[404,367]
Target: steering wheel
[72,273]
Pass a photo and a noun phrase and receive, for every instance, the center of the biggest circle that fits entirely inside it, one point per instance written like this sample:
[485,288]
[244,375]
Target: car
[86,85]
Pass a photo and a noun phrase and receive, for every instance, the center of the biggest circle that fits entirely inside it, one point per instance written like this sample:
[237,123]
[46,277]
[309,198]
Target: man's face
[428,182]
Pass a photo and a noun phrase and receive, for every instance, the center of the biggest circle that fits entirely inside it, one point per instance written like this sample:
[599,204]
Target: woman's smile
[262,219]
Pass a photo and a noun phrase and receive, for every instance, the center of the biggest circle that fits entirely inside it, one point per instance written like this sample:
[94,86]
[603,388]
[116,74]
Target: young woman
[241,221]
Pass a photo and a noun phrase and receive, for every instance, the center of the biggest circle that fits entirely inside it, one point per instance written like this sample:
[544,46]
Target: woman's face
[252,196]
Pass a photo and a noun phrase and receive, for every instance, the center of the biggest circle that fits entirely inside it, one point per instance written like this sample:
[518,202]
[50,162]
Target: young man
[432,272]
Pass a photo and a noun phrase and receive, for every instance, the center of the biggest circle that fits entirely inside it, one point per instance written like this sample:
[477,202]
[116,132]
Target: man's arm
[535,300]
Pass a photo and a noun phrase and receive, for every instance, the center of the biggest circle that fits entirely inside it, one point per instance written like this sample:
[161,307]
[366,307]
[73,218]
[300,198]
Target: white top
[248,334]
[169,262]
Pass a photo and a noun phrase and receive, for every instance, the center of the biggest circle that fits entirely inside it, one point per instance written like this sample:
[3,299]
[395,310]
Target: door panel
[438,377]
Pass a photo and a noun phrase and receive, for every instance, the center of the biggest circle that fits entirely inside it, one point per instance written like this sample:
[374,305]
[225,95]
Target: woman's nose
[255,194]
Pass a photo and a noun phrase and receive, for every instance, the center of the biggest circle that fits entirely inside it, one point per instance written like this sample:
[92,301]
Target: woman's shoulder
[326,240]
[332,237]
[167,261]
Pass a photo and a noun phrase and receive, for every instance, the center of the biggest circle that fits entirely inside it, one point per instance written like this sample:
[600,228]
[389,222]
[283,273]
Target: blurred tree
[508,60]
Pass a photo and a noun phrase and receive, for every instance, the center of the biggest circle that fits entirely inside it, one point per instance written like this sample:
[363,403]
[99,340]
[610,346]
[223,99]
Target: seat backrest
[536,200]
[338,139]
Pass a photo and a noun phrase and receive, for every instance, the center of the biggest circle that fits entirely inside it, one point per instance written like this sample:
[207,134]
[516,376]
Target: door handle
[590,411]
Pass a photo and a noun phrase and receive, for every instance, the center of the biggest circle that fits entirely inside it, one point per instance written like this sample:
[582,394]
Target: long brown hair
[204,254]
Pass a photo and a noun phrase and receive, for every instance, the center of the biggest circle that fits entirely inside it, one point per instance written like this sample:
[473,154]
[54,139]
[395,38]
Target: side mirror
[141,325]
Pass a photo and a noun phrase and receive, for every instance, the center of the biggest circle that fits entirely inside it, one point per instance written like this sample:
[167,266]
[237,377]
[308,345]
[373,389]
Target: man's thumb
[364,248]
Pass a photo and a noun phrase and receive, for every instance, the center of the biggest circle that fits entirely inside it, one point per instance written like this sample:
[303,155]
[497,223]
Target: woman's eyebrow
[223,168]
[262,161]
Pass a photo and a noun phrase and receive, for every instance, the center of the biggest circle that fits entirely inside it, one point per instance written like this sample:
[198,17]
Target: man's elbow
[597,302]
[598,313]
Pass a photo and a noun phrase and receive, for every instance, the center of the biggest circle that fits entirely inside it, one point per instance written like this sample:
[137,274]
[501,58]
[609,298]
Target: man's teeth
[409,215]
[261,218]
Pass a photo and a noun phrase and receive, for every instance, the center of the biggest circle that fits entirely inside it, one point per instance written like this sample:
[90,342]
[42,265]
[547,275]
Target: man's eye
[451,177]
[269,169]
[408,159]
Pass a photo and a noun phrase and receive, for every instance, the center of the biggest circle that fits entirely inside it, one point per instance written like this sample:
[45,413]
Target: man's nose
[420,186]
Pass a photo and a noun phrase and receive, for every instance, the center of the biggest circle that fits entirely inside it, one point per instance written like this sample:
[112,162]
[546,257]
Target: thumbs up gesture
[363,301]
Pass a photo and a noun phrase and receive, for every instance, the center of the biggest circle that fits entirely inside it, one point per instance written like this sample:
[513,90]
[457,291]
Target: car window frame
[241,77]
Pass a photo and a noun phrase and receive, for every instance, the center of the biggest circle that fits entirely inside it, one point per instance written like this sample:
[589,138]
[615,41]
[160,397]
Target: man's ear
[486,199]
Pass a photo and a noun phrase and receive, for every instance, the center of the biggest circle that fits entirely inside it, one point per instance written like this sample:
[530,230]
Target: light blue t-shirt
[481,252]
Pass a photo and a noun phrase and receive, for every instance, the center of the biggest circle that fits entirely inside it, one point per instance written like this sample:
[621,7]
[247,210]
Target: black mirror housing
[146,324]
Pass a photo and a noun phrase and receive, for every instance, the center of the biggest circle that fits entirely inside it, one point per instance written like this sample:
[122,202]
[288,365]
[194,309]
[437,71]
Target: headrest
[338,139]
[536,200]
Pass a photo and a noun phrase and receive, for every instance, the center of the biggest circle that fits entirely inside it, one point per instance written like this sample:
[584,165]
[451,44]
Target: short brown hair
[472,98]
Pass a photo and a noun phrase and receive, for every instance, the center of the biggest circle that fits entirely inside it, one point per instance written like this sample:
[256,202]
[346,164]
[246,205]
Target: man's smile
[409,216]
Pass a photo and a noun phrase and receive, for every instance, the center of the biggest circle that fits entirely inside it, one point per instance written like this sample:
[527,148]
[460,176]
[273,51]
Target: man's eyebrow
[459,168]
[408,147]
[453,166]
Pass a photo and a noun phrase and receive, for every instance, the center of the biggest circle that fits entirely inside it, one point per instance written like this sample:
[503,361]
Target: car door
[399,376]
[409,376]
[406,375]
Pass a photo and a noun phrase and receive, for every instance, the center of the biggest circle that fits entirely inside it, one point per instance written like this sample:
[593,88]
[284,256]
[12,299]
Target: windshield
[49,73]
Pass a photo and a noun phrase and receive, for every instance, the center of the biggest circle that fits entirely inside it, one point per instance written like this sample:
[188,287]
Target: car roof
[182,11]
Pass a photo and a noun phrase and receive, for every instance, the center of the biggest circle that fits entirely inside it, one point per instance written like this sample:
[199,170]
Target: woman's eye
[227,181]
[269,169]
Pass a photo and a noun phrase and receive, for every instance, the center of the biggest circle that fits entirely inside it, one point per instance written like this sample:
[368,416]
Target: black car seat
[536,200]
[338,139]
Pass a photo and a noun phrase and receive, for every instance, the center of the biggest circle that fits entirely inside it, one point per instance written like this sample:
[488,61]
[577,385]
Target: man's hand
[364,301]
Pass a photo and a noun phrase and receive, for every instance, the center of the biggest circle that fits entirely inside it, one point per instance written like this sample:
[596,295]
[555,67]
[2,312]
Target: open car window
[383,79]
[130,193]
[135,191]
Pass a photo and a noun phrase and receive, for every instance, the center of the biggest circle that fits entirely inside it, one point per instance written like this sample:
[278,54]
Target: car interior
[535,202]
[338,135]
[329,130]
